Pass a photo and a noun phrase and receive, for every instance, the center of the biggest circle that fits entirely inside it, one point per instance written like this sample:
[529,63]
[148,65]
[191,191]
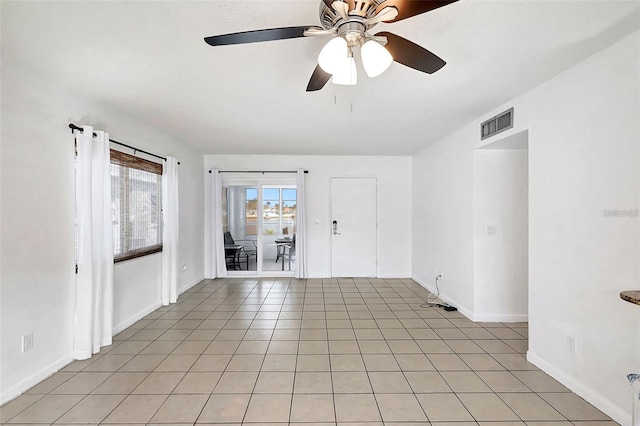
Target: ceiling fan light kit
[331,53]
[375,58]
[346,73]
[350,21]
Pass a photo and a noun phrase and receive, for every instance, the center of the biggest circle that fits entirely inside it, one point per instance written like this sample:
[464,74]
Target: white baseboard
[462,309]
[595,398]
[27,383]
[469,313]
[32,380]
[500,317]
[188,286]
[146,311]
[136,317]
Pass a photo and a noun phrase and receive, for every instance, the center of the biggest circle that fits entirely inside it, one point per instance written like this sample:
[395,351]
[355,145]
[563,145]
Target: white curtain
[218,264]
[170,225]
[93,318]
[301,236]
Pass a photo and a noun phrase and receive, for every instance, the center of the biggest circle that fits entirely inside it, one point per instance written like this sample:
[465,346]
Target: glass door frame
[261,182]
[280,186]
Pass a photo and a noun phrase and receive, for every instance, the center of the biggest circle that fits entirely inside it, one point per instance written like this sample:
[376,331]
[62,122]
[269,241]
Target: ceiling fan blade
[317,31]
[318,79]
[410,54]
[388,14]
[409,8]
[258,35]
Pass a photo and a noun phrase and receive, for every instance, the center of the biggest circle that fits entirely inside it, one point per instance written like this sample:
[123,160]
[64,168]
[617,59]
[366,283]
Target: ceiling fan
[350,21]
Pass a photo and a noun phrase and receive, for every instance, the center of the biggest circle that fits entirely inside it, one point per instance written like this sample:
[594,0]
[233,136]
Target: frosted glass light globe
[332,53]
[345,72]
[375,58]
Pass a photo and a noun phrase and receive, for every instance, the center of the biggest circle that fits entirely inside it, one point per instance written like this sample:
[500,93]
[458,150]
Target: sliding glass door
[241,233]
[278,227]
[259,222]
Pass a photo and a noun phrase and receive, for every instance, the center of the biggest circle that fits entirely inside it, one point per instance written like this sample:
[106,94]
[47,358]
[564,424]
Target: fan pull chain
[351,100]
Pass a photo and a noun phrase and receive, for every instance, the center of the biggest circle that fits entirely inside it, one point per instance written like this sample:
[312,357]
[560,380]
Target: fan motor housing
[353,32]
[362,9]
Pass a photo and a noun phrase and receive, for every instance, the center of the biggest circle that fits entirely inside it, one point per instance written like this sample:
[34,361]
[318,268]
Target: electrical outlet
[491,231]
[27,342]
[571,344]
[184,267]
[438,273]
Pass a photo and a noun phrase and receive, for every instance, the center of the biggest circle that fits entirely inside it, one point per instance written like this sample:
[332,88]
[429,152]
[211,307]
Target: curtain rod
[74,127]
[258,171]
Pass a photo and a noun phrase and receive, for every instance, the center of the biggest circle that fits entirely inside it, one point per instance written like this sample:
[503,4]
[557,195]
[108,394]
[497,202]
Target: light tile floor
[280,350]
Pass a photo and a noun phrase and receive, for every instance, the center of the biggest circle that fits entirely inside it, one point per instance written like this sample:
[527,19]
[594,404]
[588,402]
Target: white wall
[136,289]
[501,201]
[394,192]
[37,223]
[583,147]
[442,227]
[584,156]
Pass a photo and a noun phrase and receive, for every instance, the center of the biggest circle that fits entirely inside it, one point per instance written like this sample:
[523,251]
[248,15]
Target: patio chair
[289,252]
[237,252]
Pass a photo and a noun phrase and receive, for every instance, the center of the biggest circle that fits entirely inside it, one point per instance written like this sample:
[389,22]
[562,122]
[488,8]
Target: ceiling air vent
[497,124]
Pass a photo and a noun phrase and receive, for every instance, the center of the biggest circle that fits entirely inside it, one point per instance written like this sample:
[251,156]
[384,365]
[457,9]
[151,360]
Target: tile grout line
[394,295]
[402,370]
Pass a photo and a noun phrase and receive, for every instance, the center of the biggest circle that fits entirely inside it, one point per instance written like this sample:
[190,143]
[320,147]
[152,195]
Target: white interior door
[354,251]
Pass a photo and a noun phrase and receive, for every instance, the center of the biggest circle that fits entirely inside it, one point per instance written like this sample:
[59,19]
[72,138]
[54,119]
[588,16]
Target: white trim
[26,384]
[242,273]
[265,274]
[188,286]
[592,396]
[469,313]
[146,311]
[272,274]
[462,309]
[500,317]
[37,377]
[136,317]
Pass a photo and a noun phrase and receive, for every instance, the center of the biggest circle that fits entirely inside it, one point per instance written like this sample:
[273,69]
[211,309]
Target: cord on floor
[430,301]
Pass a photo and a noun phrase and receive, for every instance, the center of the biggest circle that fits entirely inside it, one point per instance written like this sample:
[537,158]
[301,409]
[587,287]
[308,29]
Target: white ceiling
[148,58]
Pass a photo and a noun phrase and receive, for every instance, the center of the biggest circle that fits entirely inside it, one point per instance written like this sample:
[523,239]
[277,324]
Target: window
[279,210]
[136,205]
[289,205]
